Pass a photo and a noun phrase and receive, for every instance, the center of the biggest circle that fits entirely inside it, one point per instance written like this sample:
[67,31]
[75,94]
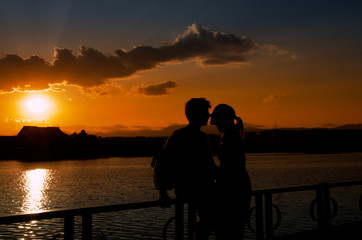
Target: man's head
[197,111]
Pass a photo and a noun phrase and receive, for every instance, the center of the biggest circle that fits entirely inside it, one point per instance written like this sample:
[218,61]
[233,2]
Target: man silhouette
[186,164]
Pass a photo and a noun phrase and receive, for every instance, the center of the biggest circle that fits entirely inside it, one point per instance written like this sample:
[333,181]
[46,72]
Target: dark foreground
[348,231]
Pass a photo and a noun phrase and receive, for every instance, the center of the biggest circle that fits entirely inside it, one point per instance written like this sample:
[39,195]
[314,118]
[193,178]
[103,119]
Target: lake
[35,186]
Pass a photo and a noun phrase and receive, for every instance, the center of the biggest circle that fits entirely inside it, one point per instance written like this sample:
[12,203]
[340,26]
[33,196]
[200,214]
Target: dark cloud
[18,72]
[271,98]
[91,68]
[212,47]
[156,90]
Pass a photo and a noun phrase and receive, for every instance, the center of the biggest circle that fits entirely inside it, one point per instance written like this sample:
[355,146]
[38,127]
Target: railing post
[259,228]
[191,221]
[319,199]
[323,207]
[268,216]
[327,205]
[179,220]
[69,227]
[87,226]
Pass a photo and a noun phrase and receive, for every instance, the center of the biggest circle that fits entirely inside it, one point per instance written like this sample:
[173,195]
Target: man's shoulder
[186,131]
[180,132]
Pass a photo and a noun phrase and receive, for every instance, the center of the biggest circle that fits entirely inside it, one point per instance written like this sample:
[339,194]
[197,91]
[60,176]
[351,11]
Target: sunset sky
[107,66]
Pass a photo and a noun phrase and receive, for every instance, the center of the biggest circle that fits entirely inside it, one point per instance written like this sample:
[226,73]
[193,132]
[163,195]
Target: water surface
[31,187]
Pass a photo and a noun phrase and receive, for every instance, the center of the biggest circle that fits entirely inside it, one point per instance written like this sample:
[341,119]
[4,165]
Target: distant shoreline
[44,144]
[247,154]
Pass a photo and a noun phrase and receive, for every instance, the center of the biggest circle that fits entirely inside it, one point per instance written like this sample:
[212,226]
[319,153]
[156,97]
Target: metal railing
[263,212]
[264,207]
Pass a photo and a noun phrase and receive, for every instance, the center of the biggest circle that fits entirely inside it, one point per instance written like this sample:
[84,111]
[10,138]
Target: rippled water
[31,187]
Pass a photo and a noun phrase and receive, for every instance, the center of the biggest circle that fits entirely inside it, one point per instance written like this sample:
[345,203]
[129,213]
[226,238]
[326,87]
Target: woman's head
[223,117]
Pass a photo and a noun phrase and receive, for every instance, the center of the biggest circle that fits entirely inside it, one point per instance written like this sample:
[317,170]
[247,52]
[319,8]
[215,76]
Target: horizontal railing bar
[34,216]
[344,184]
[306,188]
[284,190]
[61,213]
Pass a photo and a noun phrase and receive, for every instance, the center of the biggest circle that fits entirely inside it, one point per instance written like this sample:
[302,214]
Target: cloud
[18,72]
[211,46]
[293,57]
[273,97]
[103,90]
[91,68]
[26,121]
[156,90]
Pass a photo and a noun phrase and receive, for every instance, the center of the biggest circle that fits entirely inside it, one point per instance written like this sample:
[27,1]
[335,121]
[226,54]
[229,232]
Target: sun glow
[37,106]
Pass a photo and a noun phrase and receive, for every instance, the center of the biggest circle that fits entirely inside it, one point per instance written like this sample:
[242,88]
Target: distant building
[32,132]
[41,143]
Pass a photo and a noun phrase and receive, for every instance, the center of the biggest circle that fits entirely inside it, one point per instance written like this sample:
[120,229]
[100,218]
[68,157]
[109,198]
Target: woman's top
[233,174]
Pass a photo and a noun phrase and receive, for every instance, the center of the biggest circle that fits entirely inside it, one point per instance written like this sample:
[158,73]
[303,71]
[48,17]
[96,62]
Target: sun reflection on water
[35,184]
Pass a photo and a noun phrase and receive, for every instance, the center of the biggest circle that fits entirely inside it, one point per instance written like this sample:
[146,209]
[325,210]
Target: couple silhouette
[220,195]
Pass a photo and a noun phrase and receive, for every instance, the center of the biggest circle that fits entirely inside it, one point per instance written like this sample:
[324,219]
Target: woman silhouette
[233,187]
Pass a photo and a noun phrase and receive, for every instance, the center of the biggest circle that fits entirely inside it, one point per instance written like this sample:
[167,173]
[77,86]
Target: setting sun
[37,106]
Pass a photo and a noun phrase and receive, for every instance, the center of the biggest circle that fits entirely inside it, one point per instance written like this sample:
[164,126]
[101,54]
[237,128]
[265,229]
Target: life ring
[333,213]
[165,227]
[275,226]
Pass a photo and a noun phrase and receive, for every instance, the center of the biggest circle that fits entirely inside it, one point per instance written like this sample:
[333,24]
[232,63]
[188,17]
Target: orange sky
[263,93]
[282,79]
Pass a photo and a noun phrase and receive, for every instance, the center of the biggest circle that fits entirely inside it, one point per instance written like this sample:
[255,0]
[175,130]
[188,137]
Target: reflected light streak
[36,182]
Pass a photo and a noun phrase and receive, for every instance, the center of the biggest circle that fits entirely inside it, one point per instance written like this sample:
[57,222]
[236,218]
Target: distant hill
[138,133]
[341,127]
[349,126]
[167,131]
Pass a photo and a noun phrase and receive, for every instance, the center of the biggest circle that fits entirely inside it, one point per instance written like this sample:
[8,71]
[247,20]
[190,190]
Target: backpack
[164,172]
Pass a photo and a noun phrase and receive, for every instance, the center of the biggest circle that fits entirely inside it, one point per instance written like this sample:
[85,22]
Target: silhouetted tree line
[41,144]
[304,141]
